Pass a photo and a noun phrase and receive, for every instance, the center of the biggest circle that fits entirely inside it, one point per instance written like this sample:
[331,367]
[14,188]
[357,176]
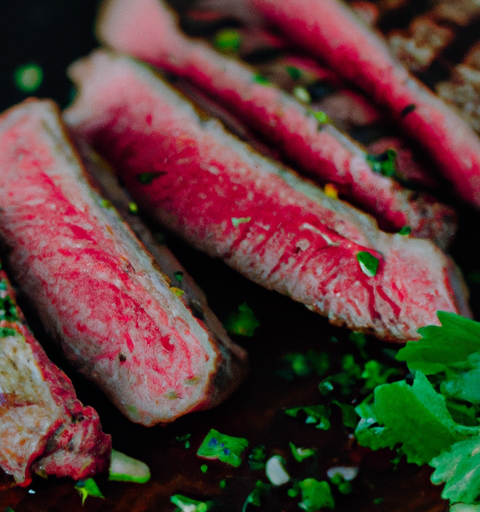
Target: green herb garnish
[385,163]
[132,208]
[236,221]
[88,488]
[294,72]
[368,263]
[256,460]
[406,230]
[260,79]
[255,496]
[315,495]
[146,178]
[178,275]
[8,309]
[317,415]
[301,454]
[243,322]
[223,448]
[228,40]
[5,332]
[28,77]
[185,504]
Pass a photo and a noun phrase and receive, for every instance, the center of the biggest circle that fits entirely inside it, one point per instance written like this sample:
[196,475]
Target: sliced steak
[147,31]
[278,230]
[97,290]
[43,426]
[332,32]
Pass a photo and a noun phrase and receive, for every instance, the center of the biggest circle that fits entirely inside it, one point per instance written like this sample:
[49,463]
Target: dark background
[50,33]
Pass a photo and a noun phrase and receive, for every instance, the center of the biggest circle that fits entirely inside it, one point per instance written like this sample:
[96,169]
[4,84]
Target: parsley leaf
[228,40]
[414,416]
[315,495]
[317,415]
[385,163]
[88,488]
[185,504]
[243,322]
[368,263]
[459,467]
[222,447]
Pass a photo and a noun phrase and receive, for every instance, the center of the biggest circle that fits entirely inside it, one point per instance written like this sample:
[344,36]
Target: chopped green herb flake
[185,504]
[28,77]
[376,373]
[105,203]
[88,488]
[177,291]
[243,322]
[146,178]
[368,263]
[203,468]
[325,387]
[294,72]
[302,94]
[300,454]
[321,117]
[236,221]
[5,332]
[8,309]
[222,484]
[406,230]
[315,495]
[260,79]
[3,284]
[304,365]
[184,439]
[317,415]
[228,40]
[222,447]
[385,163]
[9,509]
[132,208]
[178,275]
[349,416]
[256,495]
[256,459]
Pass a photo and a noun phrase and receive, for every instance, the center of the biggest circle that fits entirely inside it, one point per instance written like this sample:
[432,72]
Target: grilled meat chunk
[262,219]
[146,30]
[97,290]
[43,426]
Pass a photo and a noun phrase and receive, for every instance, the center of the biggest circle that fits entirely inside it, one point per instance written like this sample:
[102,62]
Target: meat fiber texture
[97,290]
[332,32]
[147,30]
[42,423]
[283,232]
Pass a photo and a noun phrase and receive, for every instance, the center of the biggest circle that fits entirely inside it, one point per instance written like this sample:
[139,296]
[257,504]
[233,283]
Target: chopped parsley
[243,322]
[28,77]
[203,468]
[228,40]
[88,488]
[368,263]
[300,454]
[256,459]
[185,504]
[321,117]
[406,230]
[132,208]
[315,495]
[294,73]
[177,291]
[5,332]
[146,178]
[385,163]
[3,284]
[185,439]
[8,309]
[236,221]
[178,275]
[256,495]
[223,448]
[260,79]
[317,415]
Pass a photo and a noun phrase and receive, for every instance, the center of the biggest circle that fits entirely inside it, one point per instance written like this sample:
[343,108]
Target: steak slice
[280,231]
[97,290]
[43,426]
[146,30]
[330,31]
